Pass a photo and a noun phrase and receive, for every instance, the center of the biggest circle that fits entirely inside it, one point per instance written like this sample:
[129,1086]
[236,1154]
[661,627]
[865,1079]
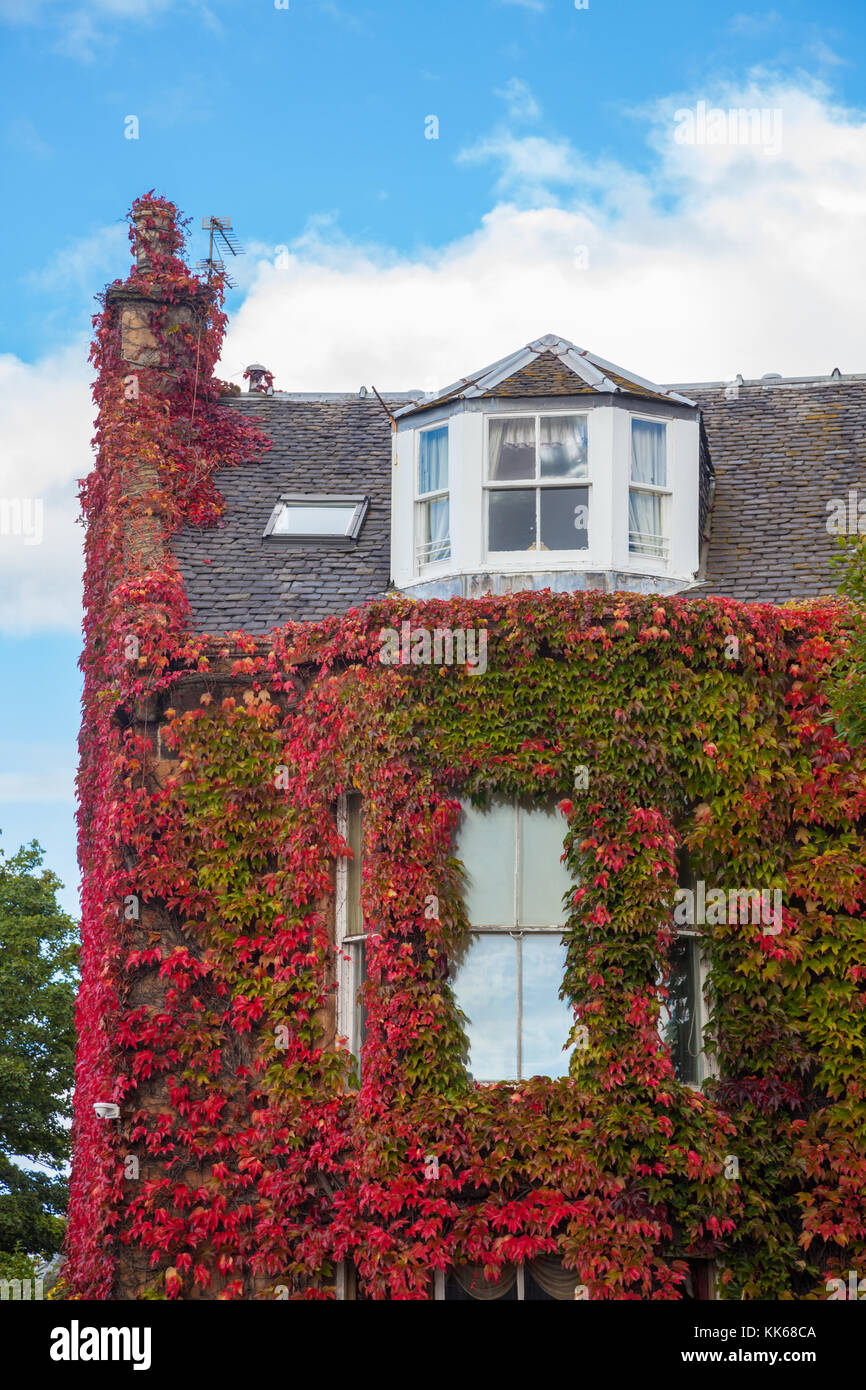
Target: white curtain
[645,518]
[436,530]
[433,461]
[546,1270]
[648,454]
[471,1280]
[549,1275]
[562,446]
[512,449]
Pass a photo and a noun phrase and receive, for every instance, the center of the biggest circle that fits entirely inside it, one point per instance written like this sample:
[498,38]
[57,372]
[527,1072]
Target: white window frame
[422,561]
[536,483]
[662,552]
[517,933]
[346,959]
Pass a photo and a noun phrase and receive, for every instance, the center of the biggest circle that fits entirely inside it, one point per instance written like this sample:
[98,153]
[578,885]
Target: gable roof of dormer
[549,366]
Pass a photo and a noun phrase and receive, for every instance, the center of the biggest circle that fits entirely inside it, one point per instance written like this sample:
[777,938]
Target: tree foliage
[38,953]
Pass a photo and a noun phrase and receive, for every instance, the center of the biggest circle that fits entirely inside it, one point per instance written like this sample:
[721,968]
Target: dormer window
[549,469]
[322,518]
[648,493]
[432,508]
[532,464]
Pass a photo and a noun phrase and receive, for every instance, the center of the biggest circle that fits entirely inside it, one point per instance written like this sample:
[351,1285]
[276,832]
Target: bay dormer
[552,468]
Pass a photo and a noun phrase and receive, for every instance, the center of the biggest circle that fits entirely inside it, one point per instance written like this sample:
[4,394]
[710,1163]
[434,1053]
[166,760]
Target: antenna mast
[221,237]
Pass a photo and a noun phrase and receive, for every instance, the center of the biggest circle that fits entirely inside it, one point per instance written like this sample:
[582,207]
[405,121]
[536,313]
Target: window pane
[512,520]
[512,449]
[358,952]
[486,990]
[645,524]
[679,1018]
[543,879]
[435,539]
[486,847]
[433,460]
[298,520]
[562,446]
[564,515]
[648,453]
[466,1284]
[547,1019]
[354,839]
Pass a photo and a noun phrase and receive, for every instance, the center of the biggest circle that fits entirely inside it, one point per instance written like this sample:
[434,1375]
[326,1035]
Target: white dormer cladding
[630,498]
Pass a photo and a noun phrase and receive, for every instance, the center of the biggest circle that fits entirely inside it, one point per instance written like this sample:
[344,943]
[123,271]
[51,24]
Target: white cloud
[529,165]
[82,30]
[47,418]
[36,772]
[83,264]
[721,259]
[21,134]
[517,95]
[759,22]
[537,5]
[826,57]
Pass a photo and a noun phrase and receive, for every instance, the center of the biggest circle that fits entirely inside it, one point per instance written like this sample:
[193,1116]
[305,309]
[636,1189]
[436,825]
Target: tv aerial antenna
[221,238]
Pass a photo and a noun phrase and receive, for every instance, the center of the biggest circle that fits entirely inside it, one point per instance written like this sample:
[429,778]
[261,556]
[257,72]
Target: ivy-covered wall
[246,1162]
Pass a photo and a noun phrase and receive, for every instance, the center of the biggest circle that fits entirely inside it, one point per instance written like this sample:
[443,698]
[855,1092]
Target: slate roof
[548,366]
[234,578]
[780,450]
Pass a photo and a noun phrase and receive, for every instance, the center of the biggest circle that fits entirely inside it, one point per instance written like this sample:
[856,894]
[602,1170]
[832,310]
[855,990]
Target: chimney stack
[260,379]
[159,298]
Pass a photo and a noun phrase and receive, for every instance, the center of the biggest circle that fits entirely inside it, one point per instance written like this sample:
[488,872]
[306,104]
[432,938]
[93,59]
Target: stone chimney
[147,315]
[159,308]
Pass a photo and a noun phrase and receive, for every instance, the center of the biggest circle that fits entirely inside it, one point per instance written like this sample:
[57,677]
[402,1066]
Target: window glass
[354,839]
[512,449]
[433,461]
[648,453]
[512,519]
[357,951]
[562,446]
[645,523]
[547,450]
[680,1015]
[543,879]
[564,512]
[295,519]
[486,847]
[487,993]
[547,1019]
[508,974]
[435,539]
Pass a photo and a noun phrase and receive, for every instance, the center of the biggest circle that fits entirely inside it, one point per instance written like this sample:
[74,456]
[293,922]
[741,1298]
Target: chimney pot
[261,381]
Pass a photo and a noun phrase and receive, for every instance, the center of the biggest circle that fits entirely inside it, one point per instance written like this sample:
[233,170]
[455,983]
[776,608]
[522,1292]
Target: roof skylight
[319,517]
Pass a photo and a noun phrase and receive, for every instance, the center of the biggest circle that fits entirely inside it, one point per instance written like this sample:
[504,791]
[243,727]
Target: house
[463,834]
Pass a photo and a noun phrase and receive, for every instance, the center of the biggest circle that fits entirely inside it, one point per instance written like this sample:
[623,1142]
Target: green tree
[38,956]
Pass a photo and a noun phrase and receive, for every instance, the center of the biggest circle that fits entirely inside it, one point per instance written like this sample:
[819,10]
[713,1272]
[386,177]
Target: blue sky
[277,115]
[376,254]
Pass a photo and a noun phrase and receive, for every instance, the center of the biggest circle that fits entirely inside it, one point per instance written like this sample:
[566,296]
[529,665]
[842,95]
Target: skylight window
[336,520]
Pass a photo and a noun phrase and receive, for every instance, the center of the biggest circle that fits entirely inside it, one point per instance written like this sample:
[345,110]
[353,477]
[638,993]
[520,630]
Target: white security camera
[106,1110]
